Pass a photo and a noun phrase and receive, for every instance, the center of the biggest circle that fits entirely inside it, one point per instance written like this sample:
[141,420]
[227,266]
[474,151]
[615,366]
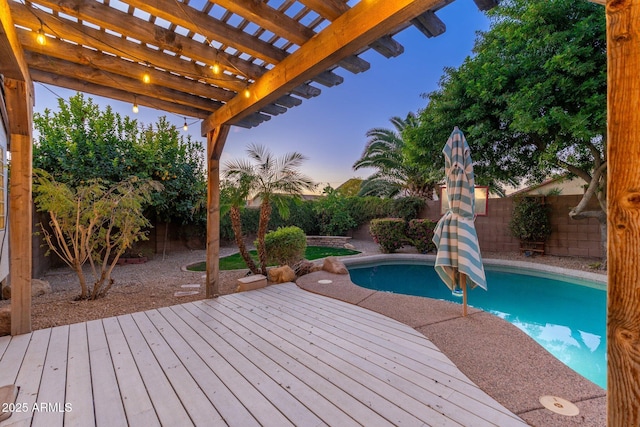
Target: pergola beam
[623,213]
[355,29]
[18,92]
[106,79]
[81,85]
[91,59]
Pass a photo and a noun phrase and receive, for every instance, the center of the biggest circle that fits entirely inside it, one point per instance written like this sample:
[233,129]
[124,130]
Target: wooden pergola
[239,62]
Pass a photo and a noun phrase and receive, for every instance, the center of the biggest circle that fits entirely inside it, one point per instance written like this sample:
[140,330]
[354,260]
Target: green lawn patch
[235,261]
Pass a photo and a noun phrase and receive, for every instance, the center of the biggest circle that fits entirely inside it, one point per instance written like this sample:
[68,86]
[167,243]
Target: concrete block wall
[571,237]
[580,238]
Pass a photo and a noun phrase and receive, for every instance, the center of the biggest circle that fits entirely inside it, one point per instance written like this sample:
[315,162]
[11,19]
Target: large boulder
[282,274]
[335,266]
[38,287]
[305,267]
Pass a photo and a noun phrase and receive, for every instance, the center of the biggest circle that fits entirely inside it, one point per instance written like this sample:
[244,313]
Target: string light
[247,92]
[41,39]
[135,105]
[185,126]
[146,78]
[215,68]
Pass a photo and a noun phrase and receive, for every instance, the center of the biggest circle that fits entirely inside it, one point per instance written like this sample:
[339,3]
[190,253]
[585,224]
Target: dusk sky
[330,129]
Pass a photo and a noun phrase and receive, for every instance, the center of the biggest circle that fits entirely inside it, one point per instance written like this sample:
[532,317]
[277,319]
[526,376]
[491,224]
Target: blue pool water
[567,319]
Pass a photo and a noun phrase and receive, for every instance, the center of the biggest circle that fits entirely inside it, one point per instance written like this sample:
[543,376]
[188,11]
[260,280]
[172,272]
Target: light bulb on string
[185,127]
[215,68]
[146,78]
[41,39]
[247,92]
[135,105]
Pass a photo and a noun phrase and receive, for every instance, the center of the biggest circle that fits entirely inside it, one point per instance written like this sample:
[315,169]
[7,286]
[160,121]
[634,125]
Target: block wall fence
[580,238]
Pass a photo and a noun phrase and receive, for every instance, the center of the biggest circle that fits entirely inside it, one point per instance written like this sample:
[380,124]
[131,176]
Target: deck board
[136,401]
[79,390]
[165,401]
[107,400]
[276,356]
[29,379]
[191,396]
[51,395]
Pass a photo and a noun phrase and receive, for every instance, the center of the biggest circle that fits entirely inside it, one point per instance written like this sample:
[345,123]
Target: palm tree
[234,194]
[274,181]
[395,174]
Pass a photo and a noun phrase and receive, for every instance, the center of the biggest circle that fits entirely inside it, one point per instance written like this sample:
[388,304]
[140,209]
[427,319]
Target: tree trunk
[83,283]
[236,224]
[265,215]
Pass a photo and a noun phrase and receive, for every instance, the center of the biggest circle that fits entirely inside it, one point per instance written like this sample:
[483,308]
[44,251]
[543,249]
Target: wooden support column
[215,143]
[623,194]
[19,108]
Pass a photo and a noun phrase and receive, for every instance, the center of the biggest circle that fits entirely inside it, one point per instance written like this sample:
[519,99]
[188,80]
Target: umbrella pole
[463,285]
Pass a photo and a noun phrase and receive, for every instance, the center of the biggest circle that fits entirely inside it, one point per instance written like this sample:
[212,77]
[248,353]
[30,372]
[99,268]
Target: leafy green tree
[396,173]
[80,142]
[274,180]
[333,213]
[93,222]
[178,163]
[530,106]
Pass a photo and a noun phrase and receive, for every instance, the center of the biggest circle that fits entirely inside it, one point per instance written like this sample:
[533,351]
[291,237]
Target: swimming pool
[566,315]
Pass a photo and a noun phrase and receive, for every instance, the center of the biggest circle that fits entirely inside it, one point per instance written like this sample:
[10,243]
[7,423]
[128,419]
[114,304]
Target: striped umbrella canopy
[455,235]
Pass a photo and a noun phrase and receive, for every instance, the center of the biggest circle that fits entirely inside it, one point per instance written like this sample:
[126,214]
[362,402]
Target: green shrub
[420,233]
[389,233]
[286,245]
[301,214]
[530,220]
[364,209]
[407,207]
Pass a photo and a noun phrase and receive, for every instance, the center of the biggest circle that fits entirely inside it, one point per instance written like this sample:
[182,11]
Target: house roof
[281,51]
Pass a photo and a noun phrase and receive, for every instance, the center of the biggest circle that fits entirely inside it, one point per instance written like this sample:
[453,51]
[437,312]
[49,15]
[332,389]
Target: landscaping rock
[349,246]
[303,267]
[335,266]
[38,287]
[251,282]
[5,320]
[282,274]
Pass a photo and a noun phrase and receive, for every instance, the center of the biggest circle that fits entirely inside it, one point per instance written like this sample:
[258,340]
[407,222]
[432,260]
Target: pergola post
[623,194]
[20,204]
[215,143]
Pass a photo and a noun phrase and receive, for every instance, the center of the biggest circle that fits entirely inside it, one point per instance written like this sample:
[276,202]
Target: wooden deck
[277,356]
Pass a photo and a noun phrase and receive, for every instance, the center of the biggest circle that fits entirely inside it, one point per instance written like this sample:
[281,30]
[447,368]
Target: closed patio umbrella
[458,255]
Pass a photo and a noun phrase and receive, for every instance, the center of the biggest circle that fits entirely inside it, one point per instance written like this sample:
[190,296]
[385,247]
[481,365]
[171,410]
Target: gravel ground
[154,284]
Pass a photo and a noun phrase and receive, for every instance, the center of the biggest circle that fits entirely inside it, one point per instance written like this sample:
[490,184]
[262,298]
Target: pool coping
[501,359]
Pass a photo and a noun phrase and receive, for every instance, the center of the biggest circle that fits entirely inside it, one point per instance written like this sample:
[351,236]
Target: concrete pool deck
[502,360]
